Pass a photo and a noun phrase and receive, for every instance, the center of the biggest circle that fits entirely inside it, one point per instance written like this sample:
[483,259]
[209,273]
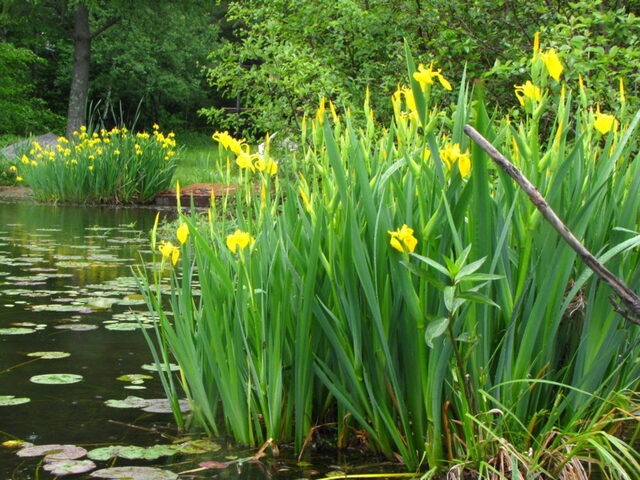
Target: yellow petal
[552,62]
[175,254]
[444,82]
[605,122]
[464,165]
[395,243]
[410,242]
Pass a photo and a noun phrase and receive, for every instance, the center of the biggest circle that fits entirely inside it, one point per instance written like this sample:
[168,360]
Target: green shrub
[113,166]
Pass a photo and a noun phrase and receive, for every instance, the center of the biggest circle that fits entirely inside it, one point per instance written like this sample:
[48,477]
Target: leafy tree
[285,55]
[156,78]
[120,42]
[21,112]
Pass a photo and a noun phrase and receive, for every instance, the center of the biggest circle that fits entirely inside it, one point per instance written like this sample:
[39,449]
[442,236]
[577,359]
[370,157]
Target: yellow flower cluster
[84,148]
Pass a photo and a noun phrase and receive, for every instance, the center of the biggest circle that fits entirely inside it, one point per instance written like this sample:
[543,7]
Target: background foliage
[276,59]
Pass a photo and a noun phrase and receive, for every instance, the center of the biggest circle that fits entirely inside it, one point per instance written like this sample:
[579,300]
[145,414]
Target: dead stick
[630,300]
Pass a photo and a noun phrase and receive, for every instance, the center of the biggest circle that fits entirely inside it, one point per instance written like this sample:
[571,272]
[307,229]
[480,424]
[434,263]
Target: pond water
[66,285]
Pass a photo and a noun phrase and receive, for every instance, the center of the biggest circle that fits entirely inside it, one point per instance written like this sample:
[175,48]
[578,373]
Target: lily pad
[133,452]
[193,447]
[129,402]
[101,303]
[16,331]
[152,367]
[135,378]
[135,473]
[76,327]
[122,326]
[53,452]
[10,400]
[162,405]
[59,308]
[69,467]
[105,453]
[56,378]
[48,355]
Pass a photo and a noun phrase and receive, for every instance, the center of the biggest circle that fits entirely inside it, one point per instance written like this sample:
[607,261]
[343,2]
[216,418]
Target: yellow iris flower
[527,90]
[169,250]
[230,143]
[604,122]
[403,239]
[244,160]
[553,64]
[451,154]
[239,239]
[426,76]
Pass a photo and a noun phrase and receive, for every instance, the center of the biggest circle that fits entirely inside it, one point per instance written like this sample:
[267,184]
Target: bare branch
[106,26]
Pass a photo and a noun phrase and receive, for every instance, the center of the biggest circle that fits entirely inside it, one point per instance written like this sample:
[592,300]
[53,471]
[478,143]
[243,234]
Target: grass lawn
[197,162]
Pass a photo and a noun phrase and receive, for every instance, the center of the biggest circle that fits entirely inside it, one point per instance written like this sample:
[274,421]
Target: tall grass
[485,347]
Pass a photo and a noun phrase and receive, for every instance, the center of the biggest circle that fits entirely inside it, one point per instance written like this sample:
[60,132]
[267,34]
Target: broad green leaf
[435,329]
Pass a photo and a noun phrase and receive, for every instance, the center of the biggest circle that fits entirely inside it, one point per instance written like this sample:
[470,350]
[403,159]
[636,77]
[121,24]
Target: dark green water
[65,278]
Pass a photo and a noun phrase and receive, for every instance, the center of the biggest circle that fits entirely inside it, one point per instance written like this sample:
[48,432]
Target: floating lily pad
[72,264]
[154,405]
[122,326]
[131,301]
[105,453]
[69,452]
[129,402]
[101,303]
[59,308]
[16,331]
[76,327]
[135,378]
[53,452]
[48,355]
[152,367]
[132,452]
[193,447]
[69,467]
[135,473]
[162,405]
[135,387]
[10,400]
[56,378]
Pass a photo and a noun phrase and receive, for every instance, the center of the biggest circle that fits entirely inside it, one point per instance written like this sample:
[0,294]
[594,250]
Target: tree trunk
[80,77]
